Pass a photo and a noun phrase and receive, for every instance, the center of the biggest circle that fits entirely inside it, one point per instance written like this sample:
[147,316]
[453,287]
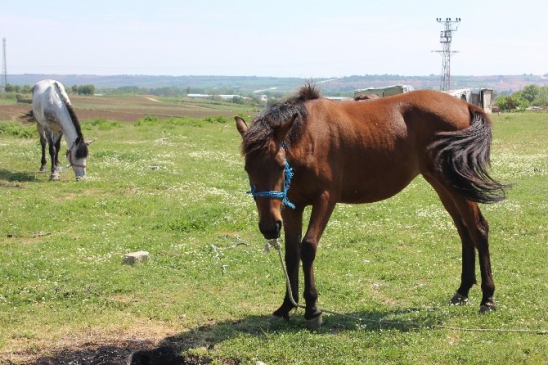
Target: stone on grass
[135,257]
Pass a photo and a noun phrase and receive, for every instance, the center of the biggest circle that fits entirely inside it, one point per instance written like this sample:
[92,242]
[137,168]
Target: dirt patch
[10,112]
[124,354]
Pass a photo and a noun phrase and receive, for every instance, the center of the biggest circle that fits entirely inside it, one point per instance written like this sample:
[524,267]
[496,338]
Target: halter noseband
[277,194]
[69,154]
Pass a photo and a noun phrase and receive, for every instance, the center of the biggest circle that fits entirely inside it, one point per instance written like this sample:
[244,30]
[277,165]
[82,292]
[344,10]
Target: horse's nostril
[279,226]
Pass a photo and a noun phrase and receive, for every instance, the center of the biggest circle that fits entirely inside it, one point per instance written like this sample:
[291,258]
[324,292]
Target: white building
[384,91]
[481,97]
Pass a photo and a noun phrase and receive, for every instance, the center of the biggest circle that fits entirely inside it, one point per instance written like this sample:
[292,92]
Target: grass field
[176,188]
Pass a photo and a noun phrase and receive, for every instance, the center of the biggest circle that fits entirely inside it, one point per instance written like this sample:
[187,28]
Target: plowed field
[133,108]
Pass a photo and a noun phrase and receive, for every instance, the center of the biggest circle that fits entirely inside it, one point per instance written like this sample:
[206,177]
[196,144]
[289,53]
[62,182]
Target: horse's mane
[261,130]
[80,145]
[71,112]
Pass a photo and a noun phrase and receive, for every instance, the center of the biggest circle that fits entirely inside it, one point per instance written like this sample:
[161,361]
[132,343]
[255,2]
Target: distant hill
[502,84]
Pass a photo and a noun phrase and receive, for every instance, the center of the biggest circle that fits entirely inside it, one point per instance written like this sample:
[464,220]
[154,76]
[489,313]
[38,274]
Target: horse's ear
[88,143]
[282,130]
[241,125]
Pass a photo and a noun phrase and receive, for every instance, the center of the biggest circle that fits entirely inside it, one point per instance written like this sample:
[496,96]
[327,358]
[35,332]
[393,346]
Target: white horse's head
[77,156]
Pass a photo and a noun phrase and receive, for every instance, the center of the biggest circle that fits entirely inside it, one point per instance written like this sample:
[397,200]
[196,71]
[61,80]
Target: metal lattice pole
[4,66]
[446,37]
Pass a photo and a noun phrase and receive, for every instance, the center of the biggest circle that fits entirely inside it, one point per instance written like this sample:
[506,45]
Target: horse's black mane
[71,112]
[81,147]
[261,130]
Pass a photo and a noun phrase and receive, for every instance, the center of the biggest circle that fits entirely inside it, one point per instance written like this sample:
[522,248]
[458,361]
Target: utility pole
[446,37]
[4,66]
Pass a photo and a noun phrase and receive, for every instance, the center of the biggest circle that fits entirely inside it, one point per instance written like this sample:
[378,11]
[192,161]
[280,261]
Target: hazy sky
[293,38]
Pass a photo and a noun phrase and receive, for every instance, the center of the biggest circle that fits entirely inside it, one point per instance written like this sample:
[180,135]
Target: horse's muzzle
[271,230]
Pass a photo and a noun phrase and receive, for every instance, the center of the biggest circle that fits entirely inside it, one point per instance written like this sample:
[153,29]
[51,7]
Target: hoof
[458,299]
[42,169]
[487,307]
[314,323]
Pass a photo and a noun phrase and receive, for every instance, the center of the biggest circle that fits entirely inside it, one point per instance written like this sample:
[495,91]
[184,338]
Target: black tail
[27,117]
[463,158]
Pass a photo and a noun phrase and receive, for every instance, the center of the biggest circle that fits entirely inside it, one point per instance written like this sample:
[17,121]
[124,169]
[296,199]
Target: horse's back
[435,107]
[48,105]
[422,114]
[377,147]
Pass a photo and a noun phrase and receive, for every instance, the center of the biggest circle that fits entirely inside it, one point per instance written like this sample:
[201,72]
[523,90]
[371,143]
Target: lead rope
[275,244]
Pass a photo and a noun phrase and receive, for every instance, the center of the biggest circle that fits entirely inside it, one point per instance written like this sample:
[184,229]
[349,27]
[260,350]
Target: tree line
[27,89]
[529,96]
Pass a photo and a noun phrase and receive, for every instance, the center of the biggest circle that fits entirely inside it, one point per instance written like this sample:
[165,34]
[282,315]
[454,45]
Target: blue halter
[277,194]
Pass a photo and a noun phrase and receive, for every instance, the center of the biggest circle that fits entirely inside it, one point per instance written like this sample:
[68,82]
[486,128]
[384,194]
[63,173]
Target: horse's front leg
[293,222]
[321,212]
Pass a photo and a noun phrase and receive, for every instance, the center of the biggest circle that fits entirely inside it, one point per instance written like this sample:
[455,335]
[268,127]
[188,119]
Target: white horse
[55,117]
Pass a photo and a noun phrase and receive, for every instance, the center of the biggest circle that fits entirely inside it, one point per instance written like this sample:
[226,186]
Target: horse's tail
[463,158]
[27,117]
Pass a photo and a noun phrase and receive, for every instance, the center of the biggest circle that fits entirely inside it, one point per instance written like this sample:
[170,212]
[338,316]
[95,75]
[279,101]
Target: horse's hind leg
[57,149]
[43,143]
[54,143]
[473,230]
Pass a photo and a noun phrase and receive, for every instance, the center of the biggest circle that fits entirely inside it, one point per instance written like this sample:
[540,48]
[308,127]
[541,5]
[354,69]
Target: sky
[276,38]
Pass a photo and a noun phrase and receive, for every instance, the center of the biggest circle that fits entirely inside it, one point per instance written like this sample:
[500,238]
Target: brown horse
[312,151]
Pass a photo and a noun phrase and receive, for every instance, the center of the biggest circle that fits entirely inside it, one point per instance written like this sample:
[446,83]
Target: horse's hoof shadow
[275,319]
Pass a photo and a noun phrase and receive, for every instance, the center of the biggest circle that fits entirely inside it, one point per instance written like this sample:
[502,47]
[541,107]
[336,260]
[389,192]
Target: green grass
[176,188]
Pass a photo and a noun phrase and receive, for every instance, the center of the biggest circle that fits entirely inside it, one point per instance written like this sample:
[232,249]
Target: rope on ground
[275,244]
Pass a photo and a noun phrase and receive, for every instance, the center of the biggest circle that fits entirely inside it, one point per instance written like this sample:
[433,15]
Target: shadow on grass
[176,350]
[11,176]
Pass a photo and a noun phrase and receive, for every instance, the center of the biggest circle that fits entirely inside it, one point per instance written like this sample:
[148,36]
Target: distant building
[338,98]
[198,96]
[206,96]
[481,97]
[384,91]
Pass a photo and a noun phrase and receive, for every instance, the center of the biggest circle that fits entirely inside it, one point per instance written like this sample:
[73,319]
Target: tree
[12,88]
[86,90]
[505,103]
[83,89]
[542,98]
[530,92]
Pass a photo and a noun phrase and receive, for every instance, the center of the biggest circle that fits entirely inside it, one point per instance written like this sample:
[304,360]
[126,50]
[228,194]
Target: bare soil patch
[123,353]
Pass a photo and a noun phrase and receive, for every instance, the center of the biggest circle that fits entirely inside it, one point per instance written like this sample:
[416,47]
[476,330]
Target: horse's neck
[67,124]
[70,134]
